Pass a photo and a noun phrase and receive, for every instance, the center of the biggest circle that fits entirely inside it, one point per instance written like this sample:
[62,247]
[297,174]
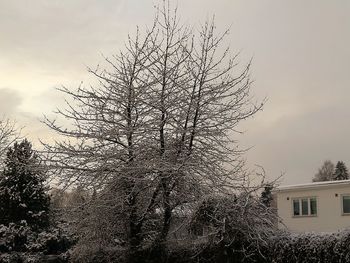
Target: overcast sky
[301,52]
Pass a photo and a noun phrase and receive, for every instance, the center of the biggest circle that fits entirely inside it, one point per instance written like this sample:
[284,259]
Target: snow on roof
[313,185]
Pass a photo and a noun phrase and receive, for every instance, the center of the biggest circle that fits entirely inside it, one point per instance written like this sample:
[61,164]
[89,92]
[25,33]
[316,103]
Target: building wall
[329,209]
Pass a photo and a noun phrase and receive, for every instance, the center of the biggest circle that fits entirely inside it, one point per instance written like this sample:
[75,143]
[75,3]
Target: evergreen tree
[266,195]
[341,172]
[22,193]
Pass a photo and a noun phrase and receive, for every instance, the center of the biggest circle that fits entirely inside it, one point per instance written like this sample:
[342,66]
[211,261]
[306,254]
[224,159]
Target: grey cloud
[27,122]
[10,100]
[59,35]
[49,99]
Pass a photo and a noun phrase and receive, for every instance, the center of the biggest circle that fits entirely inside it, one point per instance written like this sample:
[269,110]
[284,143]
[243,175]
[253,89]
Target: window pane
[346,204]
[313,206]
[304,207]
[296,207]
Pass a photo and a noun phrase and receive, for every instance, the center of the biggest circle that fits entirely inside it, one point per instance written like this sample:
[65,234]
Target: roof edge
[313,185]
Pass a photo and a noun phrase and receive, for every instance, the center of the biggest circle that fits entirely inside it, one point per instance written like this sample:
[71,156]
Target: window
[346,204]
[306,206]
[296,207]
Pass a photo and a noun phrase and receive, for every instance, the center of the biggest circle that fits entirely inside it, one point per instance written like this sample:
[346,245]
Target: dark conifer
[22,191]
[341,172]
[266,195]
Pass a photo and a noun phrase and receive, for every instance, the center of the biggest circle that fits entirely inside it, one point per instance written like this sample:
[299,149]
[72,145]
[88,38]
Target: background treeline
[330,172]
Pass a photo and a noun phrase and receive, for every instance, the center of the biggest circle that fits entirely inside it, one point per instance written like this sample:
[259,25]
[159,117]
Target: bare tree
[325,173]
[158,132]
[9,133]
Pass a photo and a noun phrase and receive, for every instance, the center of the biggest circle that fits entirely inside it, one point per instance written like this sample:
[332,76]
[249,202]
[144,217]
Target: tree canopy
[159,130]
[325,173]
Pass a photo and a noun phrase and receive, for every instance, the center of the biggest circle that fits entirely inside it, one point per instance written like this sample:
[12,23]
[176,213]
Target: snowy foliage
[281,247]
[19,242]
[325,173]
[309,247]
[22,191]
[242,223]
[14,237]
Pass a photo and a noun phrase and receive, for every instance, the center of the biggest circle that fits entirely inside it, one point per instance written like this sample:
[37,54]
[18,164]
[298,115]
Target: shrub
[51,242]
[14,237]
[21,238]
[309,247]
[239,227]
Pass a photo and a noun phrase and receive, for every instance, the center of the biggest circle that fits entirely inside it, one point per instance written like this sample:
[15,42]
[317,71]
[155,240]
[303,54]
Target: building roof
[313,185]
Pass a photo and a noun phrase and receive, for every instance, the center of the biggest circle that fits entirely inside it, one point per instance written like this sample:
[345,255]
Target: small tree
[341,172]
[22,193]
[325,173]
[266,195]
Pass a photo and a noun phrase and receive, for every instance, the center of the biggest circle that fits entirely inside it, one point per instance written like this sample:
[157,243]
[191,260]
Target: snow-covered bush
[21,238]
[52,242]
[237,226]
[11,258]
[282,247]
[14,237]
[309,247]
[240,229]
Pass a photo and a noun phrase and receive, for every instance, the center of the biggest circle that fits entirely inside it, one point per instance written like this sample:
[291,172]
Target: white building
[321,206]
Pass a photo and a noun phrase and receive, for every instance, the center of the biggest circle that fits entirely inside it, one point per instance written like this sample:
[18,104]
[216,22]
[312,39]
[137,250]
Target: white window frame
[342,204]
[308,204]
